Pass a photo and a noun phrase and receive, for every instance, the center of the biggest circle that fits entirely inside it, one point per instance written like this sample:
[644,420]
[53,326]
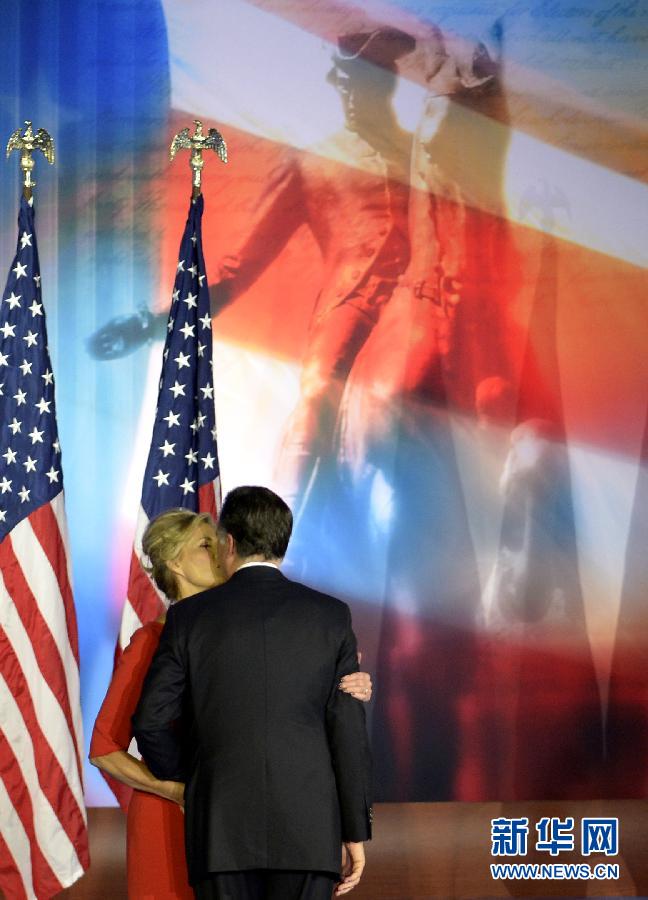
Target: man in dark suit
[275,758]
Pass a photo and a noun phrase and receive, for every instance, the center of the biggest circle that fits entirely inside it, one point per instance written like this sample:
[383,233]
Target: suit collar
[257,573]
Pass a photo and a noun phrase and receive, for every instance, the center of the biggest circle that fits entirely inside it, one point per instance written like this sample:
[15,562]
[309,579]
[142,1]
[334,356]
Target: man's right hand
[353,863]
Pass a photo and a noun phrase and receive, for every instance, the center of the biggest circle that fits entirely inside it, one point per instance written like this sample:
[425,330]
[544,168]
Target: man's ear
[231,545]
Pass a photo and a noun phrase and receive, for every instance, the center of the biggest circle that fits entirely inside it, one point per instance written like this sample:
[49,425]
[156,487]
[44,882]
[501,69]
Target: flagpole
[43,834]
[27,143]
[198,142]
[182,468]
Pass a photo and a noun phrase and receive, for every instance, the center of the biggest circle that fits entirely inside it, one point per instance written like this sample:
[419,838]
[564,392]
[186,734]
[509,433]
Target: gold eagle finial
[196,143]
[27,143]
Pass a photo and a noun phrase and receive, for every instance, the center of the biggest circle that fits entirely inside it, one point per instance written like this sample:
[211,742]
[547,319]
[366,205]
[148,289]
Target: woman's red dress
[155,856]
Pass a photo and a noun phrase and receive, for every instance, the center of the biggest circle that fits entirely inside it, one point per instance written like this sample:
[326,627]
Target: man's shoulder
[329,604]
[186,609]
[325,605]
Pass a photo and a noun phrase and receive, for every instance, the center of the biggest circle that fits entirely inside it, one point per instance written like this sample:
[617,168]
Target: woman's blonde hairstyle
[163,541]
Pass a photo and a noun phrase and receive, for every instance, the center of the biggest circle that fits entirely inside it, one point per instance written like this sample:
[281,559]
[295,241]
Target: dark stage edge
[427,850]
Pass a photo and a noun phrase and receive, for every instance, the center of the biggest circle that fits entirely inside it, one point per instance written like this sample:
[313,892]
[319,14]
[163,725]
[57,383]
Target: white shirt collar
[247,565]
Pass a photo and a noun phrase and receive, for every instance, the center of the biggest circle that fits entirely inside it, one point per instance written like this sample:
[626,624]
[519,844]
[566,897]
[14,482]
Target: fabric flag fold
[182,468]
[43,825]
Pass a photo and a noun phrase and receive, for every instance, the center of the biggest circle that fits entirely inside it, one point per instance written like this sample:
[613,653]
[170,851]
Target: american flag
[43,834]
[182,467]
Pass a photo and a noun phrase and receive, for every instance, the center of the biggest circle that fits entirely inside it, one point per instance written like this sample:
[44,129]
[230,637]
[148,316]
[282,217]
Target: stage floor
[429,850]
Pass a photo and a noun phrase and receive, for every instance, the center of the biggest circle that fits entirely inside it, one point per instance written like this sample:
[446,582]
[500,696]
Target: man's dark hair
[258,520]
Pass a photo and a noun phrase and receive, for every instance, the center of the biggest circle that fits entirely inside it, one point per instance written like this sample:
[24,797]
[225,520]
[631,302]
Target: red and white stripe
[43,825]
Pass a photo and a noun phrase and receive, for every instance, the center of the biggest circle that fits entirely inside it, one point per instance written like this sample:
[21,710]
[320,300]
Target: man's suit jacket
[276,758]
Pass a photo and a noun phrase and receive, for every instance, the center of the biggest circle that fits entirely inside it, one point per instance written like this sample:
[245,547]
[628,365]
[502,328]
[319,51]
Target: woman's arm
[136,774]
[112,733]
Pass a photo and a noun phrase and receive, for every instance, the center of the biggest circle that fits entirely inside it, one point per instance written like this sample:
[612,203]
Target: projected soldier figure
[440,336]
[351,191]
